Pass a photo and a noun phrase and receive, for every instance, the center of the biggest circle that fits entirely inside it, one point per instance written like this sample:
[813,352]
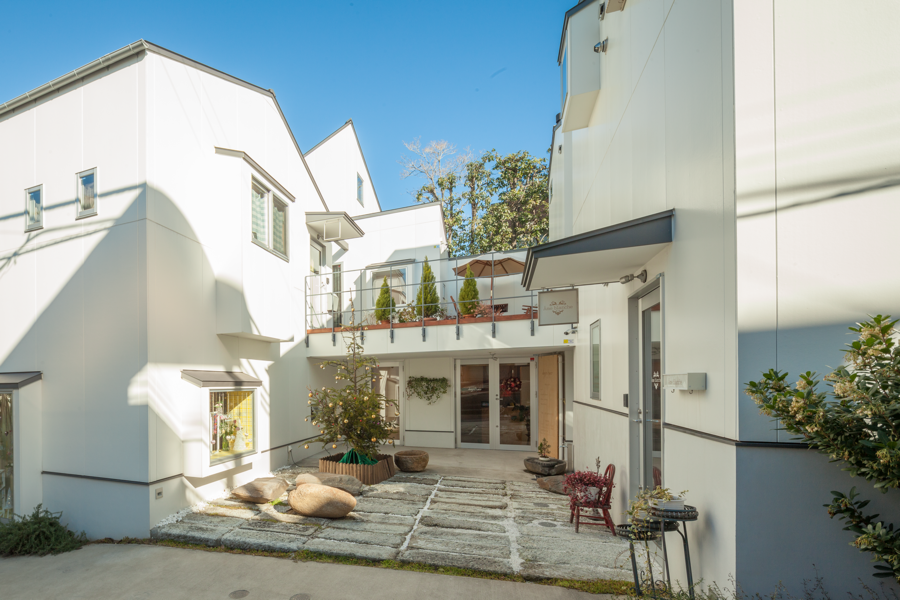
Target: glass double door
[496,402]
[650,412]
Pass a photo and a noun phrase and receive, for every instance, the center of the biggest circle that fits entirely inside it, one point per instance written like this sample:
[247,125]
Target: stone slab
[389,540]
[498,504]
[396,496]
[391,487]
[388,507]
[224,502]
[457,547]
[375,518]
[365,551]
[417,478]
[466,508]
[271,513]
[267,541]
[190,533]
[371,526]
[212,520]
[449,478]
[463,561]
[482,492]
[450,522]
[279,527]
[485,515]
[222,511]
[478,485]
[571,552]
[531,570]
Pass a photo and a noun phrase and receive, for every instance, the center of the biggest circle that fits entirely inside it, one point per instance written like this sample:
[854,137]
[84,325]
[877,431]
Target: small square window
[595,360]
[232,424]
[259,216]
[279,226]
[34,208]
[359,189]
[315,259]
[87,193]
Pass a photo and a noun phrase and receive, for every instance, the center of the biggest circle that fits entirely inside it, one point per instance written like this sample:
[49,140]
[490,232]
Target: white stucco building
[744,155]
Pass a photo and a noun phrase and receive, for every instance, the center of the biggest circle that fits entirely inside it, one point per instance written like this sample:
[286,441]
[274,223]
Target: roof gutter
[60,82]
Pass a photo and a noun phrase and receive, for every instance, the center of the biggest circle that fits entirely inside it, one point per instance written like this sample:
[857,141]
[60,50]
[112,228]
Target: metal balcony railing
[340,296]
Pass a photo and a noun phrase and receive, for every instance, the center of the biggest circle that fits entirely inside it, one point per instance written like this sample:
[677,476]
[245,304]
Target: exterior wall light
[601,47]
[642,277]
[559,149]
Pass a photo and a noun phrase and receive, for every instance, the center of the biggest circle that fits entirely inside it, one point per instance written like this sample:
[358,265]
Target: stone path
[490,525]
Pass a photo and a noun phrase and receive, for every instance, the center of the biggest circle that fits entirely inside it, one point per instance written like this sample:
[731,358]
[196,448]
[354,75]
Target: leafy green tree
[427,298]
[352,414]
[492,202]
[384,305]
[859,427]
[468,295]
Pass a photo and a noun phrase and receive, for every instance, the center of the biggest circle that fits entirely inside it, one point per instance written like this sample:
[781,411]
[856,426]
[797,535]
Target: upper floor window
[268,220]
[34,208]
[87,193]
[359,189]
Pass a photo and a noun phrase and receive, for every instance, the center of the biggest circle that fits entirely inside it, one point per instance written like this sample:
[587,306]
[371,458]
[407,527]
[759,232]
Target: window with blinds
[232,416]
[268,220]
[34,202]
[258,214]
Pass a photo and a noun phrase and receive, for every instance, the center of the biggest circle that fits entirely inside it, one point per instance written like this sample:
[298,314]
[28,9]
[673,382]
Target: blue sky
[480,74]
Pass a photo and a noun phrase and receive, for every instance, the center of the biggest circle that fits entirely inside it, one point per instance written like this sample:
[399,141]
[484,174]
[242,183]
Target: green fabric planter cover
[355,458]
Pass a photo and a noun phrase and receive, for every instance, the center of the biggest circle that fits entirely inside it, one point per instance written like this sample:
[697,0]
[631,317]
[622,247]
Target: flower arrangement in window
[510,385]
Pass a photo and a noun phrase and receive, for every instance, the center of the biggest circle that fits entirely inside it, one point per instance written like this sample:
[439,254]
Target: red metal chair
[603,505]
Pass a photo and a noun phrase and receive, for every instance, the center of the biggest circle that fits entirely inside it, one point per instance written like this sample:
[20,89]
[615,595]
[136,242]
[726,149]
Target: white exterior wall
[72,303]
[770,147]
[111,308]
[335,163]
[27,451]
[658,139]
[817,148]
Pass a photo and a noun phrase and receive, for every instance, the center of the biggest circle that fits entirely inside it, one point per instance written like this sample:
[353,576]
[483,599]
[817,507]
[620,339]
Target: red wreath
[510,385]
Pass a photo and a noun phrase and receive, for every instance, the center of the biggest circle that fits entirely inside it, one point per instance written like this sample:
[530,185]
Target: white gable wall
[335,163]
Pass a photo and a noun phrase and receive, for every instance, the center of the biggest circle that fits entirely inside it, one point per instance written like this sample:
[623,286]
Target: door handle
[638,420]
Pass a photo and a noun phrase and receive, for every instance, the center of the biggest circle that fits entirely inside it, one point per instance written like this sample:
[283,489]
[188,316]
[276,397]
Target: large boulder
[348,483]
[555,484]
[262,490]
[315,500]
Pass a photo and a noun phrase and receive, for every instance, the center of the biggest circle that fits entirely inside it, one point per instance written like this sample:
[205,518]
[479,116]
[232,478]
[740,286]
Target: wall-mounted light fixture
[601,47]
[642,277]
[602,10]
[559,149]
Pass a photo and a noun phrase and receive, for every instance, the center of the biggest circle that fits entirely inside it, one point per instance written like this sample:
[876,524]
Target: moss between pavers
[597,586]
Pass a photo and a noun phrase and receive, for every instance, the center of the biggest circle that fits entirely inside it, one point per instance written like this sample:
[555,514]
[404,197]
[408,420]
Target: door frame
[401,401]
[494,391]
[635,381]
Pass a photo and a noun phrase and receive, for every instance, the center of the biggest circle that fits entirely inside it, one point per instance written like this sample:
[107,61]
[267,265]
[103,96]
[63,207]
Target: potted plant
[468,294]
[353,415]
[427,299]
[384,305]
[642,507]
[544,450]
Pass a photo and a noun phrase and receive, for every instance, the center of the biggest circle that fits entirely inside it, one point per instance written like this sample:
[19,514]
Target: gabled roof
[136,48]
[349,123]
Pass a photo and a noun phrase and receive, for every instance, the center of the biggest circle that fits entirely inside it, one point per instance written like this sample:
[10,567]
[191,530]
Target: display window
[232,424]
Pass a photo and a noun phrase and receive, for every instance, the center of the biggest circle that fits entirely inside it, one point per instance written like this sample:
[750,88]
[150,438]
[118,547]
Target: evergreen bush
[384,305]
[427,298]
[468,295]
[39,533]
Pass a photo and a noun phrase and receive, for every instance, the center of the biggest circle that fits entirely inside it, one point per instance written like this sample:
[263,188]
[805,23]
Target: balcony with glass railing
[505,316]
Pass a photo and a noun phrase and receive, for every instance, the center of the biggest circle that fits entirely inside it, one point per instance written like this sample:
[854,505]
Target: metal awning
[333,226]
[600,256]
[13,381]
[220,379]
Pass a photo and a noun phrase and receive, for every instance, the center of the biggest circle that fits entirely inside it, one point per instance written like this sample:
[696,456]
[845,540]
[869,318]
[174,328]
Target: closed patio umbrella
[491,268]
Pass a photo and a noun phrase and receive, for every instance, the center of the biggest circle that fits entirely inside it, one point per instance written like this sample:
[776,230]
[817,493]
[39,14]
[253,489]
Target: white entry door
[496,403]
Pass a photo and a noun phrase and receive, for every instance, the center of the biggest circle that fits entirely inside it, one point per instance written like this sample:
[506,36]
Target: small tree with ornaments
[352,413]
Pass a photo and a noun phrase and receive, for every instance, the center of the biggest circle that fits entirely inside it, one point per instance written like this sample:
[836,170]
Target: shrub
[384,305]
[427,298]
[468,295]
[40,534]
[861,428]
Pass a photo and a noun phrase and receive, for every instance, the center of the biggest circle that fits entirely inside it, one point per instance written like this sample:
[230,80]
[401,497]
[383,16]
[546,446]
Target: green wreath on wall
[429,389]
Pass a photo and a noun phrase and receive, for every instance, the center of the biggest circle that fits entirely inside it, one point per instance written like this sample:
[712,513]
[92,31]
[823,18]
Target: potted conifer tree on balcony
[427,299]
[468,295]
[384,305]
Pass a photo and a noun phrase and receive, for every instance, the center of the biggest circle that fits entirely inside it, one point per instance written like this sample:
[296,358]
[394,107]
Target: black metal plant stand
[660,523]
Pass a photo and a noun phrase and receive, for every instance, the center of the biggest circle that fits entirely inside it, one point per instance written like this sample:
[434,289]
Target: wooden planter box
[368,474]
